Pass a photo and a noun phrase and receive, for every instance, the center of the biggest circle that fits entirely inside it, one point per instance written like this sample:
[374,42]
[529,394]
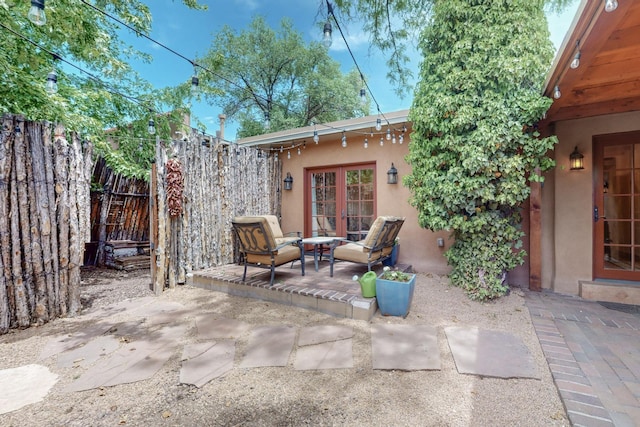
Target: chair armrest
[338,241]
[297,242]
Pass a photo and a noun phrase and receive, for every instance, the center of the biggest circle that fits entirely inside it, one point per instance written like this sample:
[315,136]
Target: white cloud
[249,4]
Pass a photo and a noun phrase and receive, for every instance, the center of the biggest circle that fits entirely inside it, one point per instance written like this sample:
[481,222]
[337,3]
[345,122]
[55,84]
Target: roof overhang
[607,80]
[299,135]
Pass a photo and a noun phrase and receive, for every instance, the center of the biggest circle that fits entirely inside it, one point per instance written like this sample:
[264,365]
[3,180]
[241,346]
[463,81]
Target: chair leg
[302,262]
[273,273]
[244,276]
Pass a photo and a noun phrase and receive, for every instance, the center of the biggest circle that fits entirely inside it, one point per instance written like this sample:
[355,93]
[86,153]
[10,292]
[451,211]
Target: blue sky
[189,32]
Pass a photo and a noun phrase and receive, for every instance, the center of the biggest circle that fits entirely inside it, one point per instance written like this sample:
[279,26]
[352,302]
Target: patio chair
[374,249]
[259,248]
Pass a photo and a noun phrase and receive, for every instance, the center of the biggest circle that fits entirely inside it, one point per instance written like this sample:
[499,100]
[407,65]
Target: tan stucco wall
[418,247]
[568,202]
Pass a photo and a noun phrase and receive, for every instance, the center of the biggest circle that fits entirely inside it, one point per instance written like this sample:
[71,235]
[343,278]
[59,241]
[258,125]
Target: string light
[366,143]
[344,140]
[609,6]
[326,39]
[401,138]
[152,127]
[36,13]
[388,134]
[556,92]
[576,59]
[378,124]
[52,79]
[288,154]
[195,82]
[393,139]
[381,142]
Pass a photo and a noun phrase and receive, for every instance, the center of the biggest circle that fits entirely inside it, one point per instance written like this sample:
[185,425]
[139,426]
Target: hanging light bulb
[381,142]
[393,139]
[195,82]
[576,59]
[267,120]
[378,124]
[288,154]
[316,138]
[401,138]
[363,96]
[344,140]
[556,92]
[52,82]
[388,134]
[366,143]
[36,13]
[609,5]
[298,151]
[281,148]
[326,38]
[152,127]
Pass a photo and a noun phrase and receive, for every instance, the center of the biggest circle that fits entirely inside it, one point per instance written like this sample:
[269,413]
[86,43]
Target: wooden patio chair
[259,248]
[374,249]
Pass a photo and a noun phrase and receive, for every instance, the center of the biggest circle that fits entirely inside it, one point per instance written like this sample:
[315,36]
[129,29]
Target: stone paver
[24,385]
[324,347]
[203,362]
[212,326]
[405,347]
[490,353]
[269,346]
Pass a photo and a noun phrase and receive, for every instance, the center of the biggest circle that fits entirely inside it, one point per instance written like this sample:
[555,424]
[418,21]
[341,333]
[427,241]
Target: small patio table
[317,243]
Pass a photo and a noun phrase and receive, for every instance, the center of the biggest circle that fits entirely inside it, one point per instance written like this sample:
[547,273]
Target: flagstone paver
[324,347]
[24,385]
[490,353]
[134,361]
[212,326]
[89,353]
[203,362]
[269,346]
[405,347]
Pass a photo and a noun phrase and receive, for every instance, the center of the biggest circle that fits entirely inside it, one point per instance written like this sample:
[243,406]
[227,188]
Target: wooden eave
[608,78]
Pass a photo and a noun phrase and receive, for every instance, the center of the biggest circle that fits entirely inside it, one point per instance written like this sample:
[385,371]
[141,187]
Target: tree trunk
[6,146]
[62,202]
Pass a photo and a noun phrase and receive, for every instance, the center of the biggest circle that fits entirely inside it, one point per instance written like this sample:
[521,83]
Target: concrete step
[611,291]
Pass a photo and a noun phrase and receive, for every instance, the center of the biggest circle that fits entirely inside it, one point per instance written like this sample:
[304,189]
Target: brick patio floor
[593,353]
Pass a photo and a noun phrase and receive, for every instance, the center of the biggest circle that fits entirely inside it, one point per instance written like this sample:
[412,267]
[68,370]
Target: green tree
[276,74]
[109,94]
[474,146]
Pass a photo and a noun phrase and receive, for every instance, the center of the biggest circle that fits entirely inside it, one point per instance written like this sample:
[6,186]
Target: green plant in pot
[394,292]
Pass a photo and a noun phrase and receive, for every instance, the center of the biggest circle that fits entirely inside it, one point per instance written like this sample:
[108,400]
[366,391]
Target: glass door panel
[323,204]
[617,196]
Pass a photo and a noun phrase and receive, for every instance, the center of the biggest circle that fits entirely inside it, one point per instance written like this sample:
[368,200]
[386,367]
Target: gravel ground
[358,396]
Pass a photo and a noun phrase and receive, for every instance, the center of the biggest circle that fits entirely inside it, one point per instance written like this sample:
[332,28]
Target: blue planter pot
[392,261]
[394,298]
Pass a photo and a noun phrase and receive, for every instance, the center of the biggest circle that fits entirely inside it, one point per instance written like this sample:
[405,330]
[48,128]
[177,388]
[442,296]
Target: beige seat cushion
[278,235]
[355,253]
[284,255]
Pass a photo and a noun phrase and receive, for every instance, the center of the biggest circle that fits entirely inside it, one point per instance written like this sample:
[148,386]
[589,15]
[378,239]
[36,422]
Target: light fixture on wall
[288,182]
[576,160]
[392,175]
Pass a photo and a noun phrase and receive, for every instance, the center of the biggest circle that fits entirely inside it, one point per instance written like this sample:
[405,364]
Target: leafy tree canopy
[111,95]
[276,73]
[394,25]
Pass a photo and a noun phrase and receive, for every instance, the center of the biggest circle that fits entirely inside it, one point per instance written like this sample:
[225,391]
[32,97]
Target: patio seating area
[338,295]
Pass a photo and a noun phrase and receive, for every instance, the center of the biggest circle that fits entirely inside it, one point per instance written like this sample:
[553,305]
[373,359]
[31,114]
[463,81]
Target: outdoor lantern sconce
[288,182]
[576,160]
[392,175]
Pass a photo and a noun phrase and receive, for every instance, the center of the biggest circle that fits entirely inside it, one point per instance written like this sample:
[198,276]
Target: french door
[616,212]
[340,201]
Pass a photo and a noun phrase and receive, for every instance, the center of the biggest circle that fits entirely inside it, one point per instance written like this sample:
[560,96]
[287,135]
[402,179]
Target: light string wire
[373,98]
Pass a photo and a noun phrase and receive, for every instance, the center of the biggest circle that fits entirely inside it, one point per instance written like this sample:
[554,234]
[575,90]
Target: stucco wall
[418,246]
[568,202]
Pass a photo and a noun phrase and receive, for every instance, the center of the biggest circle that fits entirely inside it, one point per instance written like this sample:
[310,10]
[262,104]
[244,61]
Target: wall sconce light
[288,182]
[576,160]
[392,175]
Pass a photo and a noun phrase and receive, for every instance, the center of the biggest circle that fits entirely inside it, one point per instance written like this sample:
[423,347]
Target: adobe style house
[583,225]
[339,190]
[587,221]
